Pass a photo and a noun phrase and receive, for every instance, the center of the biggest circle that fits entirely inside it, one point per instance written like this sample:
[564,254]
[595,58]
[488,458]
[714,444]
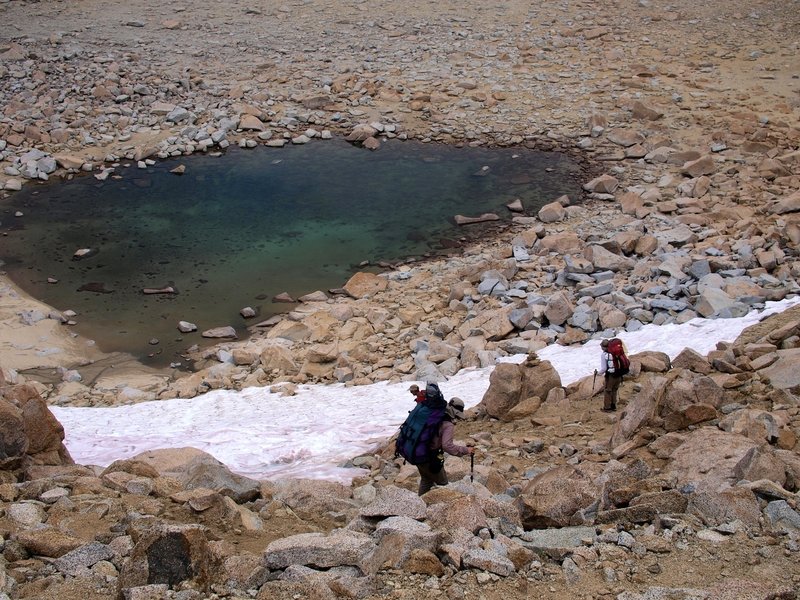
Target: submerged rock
[220,332]
[186,327]
[164,290]
[82,253]
[485,217]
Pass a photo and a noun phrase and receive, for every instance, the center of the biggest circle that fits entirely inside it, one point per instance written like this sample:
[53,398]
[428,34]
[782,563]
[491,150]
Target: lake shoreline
[70,340]
[697,142]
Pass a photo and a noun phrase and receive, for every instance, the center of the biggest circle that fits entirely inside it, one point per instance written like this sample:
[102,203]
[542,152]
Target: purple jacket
[444,440]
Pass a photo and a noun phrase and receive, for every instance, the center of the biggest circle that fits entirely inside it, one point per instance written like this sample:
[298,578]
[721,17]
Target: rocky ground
[686,117]
[694,146]
[690,491]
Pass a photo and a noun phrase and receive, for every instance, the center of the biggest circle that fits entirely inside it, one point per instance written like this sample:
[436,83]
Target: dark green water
[236,230]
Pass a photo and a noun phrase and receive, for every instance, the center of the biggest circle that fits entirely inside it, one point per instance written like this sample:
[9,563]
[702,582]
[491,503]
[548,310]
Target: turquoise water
[236,230]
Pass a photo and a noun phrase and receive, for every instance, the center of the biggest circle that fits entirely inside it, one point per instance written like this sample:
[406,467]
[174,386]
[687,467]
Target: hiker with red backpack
[419,395]
[614,364]
[427,434]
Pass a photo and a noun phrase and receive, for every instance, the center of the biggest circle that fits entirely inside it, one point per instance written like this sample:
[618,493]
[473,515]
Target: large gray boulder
[29,433]
[339,548]
[194,469]
[510,384]
[758,425]
[74,562]
[552,212]
[726,506]
[690,388]
[311,498]
[782,516]
[492,325]
[785,372]
[677,236]
[711,460]
[559,308]
[787,204]
[605,260]
[551,498]
[168,554]
[640,411]
[394,501]
[399,537]
[486,560]
[558,543]
[455,512]
[714,302]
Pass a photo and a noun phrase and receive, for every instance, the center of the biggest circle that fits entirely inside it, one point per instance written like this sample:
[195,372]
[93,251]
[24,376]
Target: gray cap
[456,407]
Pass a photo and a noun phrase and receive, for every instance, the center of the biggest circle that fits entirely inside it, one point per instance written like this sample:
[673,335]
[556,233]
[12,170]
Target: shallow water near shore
[236,230]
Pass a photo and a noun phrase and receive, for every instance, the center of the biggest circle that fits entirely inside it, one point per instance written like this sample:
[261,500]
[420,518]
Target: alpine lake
[236,230]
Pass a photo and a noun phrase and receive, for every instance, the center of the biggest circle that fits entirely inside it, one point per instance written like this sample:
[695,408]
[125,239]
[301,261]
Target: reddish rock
[690,388]
[552,212]
[29,432]
[551,498]
[709,459]
[251,123]
[13,441]
[691,415]
[690,359]
[68,161]
[605,184]
[47,541]
[459,512]
[511,384]
[651,361]
[717,508]
[630,202]
[365,284]
[641,111]
[641,410]
[562,243]
[702,166]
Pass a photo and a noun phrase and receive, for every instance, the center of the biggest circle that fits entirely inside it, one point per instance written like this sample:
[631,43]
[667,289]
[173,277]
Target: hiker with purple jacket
[433,472]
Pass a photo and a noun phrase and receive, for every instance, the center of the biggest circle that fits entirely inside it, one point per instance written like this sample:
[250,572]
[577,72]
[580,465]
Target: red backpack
[622,364]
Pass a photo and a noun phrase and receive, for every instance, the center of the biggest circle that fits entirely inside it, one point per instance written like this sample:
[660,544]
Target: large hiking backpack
[420,427]
[622,364]
[434,397]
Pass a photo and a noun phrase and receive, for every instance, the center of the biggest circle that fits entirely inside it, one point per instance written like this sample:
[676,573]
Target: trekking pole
[594,381]
[472,466]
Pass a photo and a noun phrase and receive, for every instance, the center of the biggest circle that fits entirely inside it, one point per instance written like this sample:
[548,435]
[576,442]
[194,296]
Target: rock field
[685,118]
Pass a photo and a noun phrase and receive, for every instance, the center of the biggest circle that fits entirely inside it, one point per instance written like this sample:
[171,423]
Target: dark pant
[427,478]
[612,383]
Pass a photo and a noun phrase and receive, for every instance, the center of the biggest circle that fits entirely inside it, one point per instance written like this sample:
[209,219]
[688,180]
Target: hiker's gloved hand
[471,449]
